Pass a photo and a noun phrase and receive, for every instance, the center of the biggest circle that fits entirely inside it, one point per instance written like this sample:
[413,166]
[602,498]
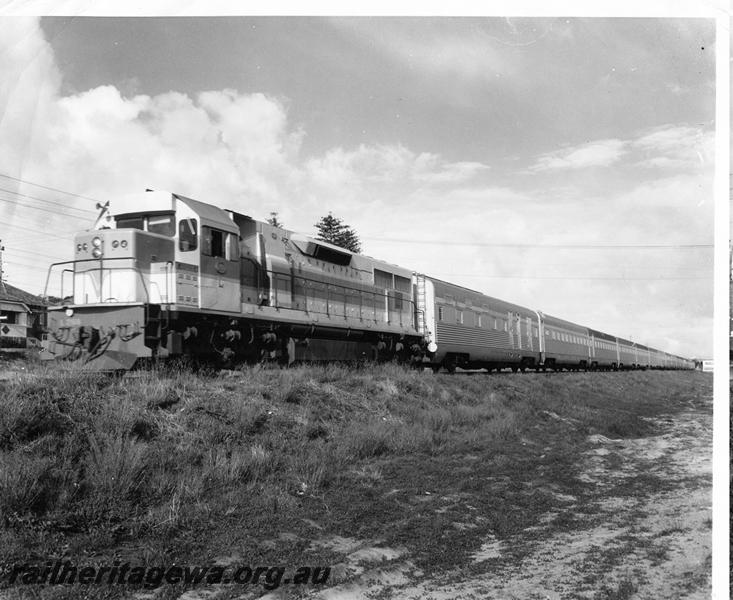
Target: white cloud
[667,147]
[388,163]
[675,147]
[240,151]
[600,153]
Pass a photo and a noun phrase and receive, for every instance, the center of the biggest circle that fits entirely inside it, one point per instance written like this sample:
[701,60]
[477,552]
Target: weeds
[168,456]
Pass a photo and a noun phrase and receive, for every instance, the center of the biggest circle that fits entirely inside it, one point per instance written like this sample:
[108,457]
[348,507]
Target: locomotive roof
[208,213]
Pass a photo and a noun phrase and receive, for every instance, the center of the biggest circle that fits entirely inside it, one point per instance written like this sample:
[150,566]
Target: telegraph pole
[2,279]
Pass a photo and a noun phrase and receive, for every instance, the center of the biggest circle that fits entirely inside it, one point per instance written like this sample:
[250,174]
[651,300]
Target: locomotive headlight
[97,253]
[115,243]
[123,243]
[78,247]
[84,247]
[432,347]
[97,242]
[69,312]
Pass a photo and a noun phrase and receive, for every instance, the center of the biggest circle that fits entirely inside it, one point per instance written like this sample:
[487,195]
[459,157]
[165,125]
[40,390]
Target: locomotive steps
[411,480]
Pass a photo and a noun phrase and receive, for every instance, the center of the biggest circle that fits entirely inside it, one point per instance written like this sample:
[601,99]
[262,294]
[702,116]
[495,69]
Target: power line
[63,234]
[62,205]
[37,266]
[547,246]
[42,255]
[45,187]
[581,278]
[46,210]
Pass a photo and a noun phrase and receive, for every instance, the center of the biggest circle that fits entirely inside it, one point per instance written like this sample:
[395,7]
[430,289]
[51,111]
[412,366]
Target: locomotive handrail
[102,268]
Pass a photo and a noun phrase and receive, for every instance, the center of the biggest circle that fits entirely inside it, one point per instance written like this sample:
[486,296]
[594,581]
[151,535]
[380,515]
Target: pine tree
[334,231]
[274,221]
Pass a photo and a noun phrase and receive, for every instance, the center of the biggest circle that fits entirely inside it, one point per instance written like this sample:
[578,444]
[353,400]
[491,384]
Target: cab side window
[212,242]
[219,244]
[187,235]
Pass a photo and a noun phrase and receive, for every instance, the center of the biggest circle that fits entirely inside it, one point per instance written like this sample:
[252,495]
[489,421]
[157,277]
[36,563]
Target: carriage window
[187,235]
[161,224]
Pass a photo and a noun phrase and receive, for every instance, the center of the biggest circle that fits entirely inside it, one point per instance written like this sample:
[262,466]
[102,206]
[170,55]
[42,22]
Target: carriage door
[219,278]
[515,330]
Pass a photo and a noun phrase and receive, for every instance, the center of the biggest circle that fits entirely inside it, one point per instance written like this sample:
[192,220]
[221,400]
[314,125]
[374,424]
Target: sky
[562,163]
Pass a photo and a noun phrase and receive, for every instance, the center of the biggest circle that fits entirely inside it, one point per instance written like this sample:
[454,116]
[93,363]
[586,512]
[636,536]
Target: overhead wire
[545,246]
[564,278]
[46,210]
[45,187]
[37,199]
[63,235]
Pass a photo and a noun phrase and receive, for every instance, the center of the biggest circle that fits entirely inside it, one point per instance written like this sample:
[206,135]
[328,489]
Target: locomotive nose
[105,243]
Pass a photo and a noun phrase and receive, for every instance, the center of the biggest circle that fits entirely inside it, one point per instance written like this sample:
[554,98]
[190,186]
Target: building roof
[9,293]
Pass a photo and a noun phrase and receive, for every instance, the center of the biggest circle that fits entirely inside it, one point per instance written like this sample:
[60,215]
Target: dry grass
[184,465]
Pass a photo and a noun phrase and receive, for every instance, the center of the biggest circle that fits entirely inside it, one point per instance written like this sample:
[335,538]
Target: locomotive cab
[164,253]
[164,249]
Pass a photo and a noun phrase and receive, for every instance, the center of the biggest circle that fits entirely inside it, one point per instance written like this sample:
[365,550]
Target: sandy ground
[648,545]
[647,542]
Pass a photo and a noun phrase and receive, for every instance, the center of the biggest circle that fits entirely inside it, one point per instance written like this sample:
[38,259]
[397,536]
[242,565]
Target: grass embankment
[170,467]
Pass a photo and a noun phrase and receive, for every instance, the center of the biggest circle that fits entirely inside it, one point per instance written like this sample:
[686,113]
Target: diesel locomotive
[169,276]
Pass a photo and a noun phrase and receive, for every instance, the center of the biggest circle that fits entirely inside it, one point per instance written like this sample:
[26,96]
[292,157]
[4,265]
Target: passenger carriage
[566,345]
[472,330]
